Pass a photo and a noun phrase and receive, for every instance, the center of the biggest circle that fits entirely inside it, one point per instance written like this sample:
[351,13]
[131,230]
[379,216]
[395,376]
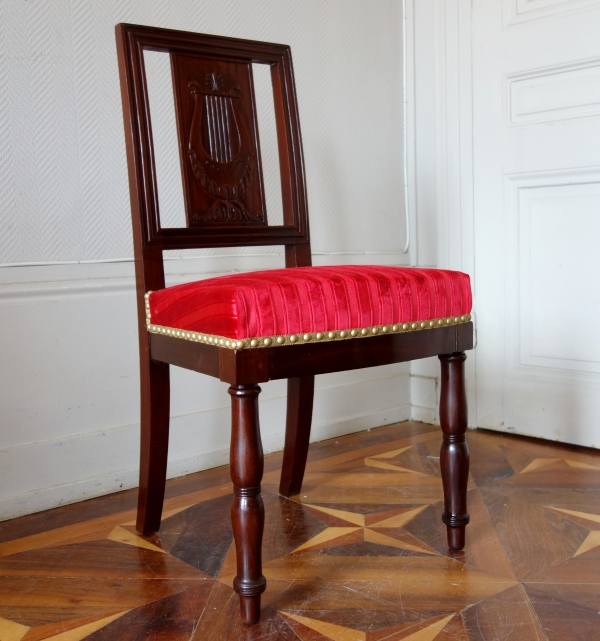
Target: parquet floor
[359,555]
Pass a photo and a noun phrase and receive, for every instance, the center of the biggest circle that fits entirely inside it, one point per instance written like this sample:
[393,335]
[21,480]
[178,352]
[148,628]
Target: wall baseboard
[80,490]
[424,415]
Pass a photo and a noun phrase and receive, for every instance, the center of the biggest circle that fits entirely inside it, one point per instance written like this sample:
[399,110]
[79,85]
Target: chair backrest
[219,147]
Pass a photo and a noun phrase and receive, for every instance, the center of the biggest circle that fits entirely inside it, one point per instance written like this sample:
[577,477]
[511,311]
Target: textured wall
[63,183]
[70,407]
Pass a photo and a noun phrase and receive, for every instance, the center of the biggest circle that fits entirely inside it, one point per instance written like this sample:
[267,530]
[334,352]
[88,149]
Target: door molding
[549,94]
[522,190]
[518,11]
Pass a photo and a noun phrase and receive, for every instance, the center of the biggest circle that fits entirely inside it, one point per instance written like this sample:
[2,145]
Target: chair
[292,323]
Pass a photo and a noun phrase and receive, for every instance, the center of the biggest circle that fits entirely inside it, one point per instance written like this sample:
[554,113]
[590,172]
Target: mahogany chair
[291,323]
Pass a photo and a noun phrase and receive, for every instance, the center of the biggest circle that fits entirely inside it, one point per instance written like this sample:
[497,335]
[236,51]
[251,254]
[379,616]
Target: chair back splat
[245,329]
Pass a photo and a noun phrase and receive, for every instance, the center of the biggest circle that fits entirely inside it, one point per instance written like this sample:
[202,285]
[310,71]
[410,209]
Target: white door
[536,177]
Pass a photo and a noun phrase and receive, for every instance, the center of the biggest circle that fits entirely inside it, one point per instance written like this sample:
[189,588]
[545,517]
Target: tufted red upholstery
[311,299]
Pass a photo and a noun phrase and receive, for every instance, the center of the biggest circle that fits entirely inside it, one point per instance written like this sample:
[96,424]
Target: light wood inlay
[400,519]
[328,630]
[595,518]
[393,453]
[123,536]
[592,541]
[431,631]
[11,631]
[351,517]
[539,463]
[329,535]
[388,466]
[583,466]
[76,634]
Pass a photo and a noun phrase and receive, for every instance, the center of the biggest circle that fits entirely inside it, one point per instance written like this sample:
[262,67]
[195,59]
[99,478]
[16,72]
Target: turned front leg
[454,454]
[247,510]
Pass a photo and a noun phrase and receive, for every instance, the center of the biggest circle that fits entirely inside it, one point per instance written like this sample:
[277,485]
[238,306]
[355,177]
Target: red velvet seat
[303,304]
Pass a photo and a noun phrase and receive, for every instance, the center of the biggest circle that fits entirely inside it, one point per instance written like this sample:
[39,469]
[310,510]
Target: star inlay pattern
[359,555]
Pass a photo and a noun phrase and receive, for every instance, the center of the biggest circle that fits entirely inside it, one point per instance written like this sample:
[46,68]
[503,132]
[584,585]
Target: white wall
[421,79]
[440,185]
[69,381]
[505,102]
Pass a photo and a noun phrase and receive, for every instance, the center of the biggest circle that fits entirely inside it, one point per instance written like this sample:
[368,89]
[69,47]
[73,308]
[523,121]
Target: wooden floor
[359,555]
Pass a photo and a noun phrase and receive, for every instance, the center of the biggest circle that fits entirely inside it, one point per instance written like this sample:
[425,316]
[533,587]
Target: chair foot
[300,394]
[454,453]
[456,538]
[456,529]
[247,509]
[250,609]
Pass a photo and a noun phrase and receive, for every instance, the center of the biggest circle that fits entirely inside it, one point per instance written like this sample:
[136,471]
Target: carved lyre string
[223,134]
[220,149]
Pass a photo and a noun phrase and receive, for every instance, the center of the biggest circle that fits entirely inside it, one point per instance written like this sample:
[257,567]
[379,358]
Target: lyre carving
[220,149]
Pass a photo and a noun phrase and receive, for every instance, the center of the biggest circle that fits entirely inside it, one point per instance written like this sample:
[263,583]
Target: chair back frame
[194,57]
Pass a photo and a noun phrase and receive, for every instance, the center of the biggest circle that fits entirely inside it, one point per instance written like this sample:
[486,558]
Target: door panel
[536,150]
